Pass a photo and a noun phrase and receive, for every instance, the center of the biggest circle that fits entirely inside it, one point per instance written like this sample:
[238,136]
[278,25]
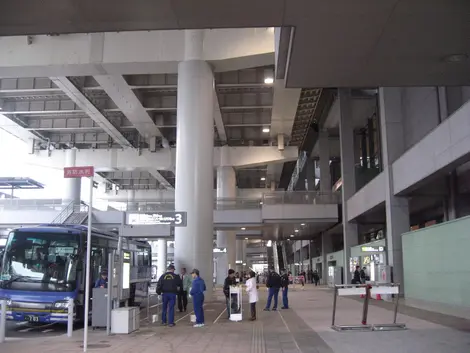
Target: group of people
[173,287]
[233,306]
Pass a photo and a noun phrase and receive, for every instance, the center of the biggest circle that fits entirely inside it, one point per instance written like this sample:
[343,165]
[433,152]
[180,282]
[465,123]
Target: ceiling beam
[125,99]
[219,123]
[74,93]
[161,179]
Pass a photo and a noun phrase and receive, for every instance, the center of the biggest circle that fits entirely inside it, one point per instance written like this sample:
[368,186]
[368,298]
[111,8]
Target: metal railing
[31,204]
[301,198]
[270,198]
[64,214]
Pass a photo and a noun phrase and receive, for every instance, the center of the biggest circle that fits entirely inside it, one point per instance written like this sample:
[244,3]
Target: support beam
[133,53]
[130,159]
[66,85]
[219,123]
[125,99]
[161,179]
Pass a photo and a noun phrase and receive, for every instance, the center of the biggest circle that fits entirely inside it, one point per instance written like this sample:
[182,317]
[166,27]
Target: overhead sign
[176,219]
[79,172]
[372,249]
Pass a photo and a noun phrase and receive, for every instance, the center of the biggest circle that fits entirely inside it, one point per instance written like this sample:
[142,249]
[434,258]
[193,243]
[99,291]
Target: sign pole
[88,262]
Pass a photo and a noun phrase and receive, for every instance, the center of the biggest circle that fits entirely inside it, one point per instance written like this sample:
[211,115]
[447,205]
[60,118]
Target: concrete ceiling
[340,43]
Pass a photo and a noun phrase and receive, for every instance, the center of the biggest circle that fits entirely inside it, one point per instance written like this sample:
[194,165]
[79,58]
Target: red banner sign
[79,172]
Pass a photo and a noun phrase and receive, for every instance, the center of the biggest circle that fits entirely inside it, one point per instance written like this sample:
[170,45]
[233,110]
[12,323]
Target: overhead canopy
[19,183]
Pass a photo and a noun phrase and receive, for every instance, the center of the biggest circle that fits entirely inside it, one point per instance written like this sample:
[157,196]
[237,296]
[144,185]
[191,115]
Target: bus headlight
[62,305]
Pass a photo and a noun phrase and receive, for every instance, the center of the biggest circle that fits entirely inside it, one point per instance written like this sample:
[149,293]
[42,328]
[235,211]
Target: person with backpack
[285,289]
[274,285]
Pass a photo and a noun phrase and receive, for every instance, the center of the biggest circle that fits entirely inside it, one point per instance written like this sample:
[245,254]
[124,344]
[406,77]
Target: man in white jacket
[252,290]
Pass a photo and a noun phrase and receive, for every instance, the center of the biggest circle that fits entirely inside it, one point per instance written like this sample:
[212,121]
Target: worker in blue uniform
[168,286]
[197,292]
[102,282]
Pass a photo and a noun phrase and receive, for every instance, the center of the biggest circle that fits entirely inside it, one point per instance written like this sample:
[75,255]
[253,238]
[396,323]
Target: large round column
[161,257]
[241,254]
[194,160]
[226,193]
[72,186]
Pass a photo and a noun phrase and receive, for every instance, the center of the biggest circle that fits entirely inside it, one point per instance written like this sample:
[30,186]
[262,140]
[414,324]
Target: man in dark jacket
[229,281]
[274,284]
[285,289]
[169,285]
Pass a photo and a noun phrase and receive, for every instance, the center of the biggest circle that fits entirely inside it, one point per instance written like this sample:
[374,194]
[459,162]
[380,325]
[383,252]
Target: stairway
[76,217]
[72,214]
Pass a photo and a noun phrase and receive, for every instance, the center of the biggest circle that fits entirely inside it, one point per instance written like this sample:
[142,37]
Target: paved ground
[303,329]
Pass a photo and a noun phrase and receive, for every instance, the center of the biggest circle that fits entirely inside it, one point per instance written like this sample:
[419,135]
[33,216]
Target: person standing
[274,285]
[229,282]
[183,294]
[197,292]
[316,277]
[285,289]
[102,282]
[169,286]
[252,290]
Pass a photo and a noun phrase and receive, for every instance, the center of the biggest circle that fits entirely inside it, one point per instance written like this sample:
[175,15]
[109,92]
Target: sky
[13,153]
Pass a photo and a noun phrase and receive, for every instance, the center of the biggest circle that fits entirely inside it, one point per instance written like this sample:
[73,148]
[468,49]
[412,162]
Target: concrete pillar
[393,146]
[131,204]
[240,254]
[226,189]
[194,160]
[273,185]
[72,186]
[348,174]
[161,257]
[326,248]
[325,176]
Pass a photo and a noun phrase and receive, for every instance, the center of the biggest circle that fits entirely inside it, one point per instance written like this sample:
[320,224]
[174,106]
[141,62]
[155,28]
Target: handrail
[64,214]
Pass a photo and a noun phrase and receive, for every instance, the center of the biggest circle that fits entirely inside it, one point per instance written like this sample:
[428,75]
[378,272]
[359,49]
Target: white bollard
[70,318]
[3,319]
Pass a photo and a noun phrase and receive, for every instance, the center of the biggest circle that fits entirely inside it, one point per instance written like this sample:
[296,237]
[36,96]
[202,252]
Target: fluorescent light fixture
[455,58]
[269,80]
[302,224]
[246,238]
[261,202]
[266,129]
[292,235]
[263,178]
[296,230]
[242,228]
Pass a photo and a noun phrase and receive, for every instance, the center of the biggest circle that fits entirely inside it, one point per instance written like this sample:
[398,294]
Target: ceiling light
[292,235]
[266,129]
[261,202]
[268,80]
[455,58]
[263,178]
[242,228]
[302,224]
[296,230]
[246,238]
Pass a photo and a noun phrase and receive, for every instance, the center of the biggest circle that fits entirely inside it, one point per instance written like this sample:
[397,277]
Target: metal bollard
[70,318]
[148,307]
[365,308]
[3,319]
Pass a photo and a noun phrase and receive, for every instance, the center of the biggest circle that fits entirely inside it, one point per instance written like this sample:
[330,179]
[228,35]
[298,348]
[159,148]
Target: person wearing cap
[169,284]
[197,292]
[102,282]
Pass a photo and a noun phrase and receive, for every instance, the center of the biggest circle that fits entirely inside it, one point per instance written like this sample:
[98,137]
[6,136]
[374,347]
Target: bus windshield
[40,261]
